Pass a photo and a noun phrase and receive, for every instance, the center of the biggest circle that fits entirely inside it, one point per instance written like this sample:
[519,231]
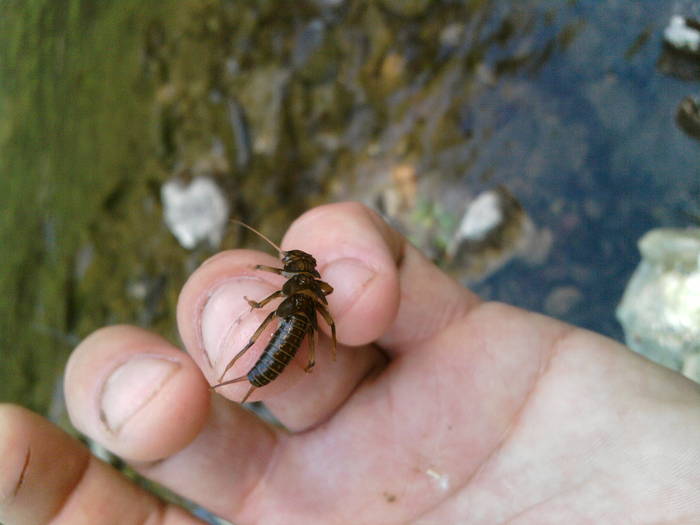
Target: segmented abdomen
[281,349]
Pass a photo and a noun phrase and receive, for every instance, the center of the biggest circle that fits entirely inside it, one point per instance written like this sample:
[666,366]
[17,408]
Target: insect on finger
[304,295]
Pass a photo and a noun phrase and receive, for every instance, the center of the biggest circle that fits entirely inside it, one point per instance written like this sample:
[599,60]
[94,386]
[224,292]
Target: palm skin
[439,409]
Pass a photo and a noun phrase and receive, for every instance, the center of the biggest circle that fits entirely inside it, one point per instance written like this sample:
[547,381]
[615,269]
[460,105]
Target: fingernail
[349,278]
[131,387]
[227,316]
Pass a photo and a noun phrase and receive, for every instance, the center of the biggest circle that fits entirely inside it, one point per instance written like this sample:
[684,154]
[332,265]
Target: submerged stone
[195,212]
[494,229]
[680,53]
[660,309]
[683,34]
[688,117]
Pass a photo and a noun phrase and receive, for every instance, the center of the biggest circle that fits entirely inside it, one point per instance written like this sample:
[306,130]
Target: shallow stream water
[565,104]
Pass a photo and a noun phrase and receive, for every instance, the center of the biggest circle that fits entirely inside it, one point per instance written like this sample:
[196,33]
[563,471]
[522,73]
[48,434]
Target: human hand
[440,409]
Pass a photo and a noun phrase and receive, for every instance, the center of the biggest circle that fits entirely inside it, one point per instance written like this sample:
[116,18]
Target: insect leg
[269,268]
[312,351]
[326,288]
[230,382]
[252,340]
[327,316]
[237,380]
[254,304]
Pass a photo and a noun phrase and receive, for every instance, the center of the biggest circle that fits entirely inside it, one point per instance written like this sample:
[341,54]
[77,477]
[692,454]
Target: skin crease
[439,409]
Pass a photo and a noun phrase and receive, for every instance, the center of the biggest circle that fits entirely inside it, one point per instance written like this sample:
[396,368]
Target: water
[591,147]
[561,102]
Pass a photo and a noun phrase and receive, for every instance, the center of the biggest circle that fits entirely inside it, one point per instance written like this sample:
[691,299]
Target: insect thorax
[298,261]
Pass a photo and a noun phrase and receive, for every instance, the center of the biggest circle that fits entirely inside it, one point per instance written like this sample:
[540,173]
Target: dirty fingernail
[227,315]
[131,387]
[349,277]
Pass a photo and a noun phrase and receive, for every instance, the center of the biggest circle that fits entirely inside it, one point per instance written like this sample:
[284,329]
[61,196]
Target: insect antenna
[279,250]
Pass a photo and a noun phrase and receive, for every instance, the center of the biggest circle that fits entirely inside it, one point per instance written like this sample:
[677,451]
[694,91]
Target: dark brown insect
[304,294]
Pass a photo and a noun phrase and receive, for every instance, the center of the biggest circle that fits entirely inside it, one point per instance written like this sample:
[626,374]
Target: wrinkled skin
[439,409]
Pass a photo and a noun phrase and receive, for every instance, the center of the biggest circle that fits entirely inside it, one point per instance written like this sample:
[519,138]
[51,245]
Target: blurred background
[525,146]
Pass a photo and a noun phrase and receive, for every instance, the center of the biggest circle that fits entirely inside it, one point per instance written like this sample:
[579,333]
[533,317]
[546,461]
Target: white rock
[482,216]
[681,36]
[660,310]
[195,212]
[493,230]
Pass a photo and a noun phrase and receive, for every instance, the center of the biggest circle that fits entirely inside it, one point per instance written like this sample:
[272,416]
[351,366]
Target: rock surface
[660,310]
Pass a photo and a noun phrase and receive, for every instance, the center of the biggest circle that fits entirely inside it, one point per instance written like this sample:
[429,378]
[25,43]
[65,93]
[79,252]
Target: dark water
[563,103]
[590,145]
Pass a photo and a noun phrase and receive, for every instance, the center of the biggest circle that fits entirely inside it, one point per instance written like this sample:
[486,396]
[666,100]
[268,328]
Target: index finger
[406,300]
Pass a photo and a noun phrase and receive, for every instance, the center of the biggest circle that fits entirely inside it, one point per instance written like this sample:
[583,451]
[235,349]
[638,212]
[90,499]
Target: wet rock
[660,309]
[683,34]
[493,230]
[470,243]
[307,42]
[679,65]
[212,162]
[688,117]
[195,212]
[148,292]
[562,300]
[315,56]
[261,94]
[452,34]
[241,134]
[691,367]
[483,216]
[680,56]
[401,195]
[83,259]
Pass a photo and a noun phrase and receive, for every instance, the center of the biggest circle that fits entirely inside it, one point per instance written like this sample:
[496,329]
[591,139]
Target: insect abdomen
[279,352]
